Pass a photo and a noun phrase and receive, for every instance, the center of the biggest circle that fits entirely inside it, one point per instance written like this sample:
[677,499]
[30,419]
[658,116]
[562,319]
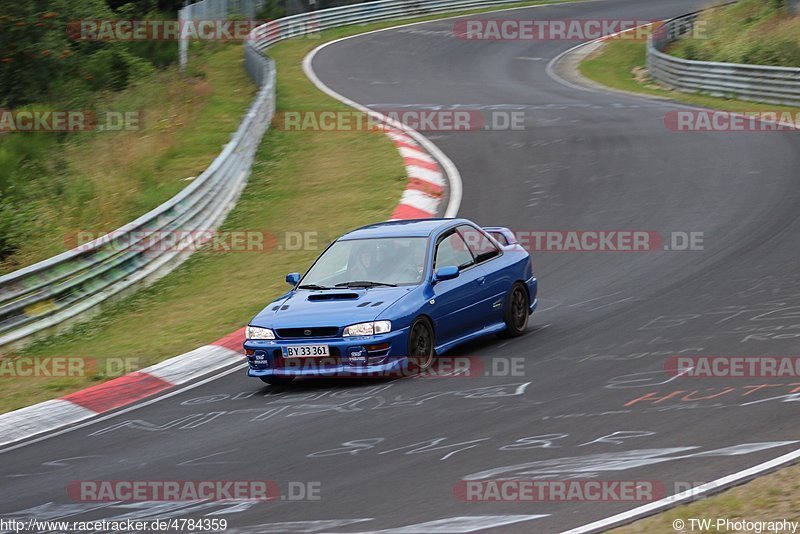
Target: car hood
[308,308]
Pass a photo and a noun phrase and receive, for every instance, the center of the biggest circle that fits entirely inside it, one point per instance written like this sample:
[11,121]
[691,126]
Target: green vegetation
[53,185]
[768,498]
[620,64]
[759,32]
[43,59]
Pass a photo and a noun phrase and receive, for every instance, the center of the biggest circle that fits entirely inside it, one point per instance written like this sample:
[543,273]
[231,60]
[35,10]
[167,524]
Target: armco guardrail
[66,286]
[314,21]
[773,85]
[48,295]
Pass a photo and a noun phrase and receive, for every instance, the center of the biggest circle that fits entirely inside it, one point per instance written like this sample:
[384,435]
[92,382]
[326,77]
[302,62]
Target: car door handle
[481,280]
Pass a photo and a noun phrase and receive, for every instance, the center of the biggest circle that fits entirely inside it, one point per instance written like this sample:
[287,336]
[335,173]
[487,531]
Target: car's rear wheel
[420,344]
[517,311]
[277,380]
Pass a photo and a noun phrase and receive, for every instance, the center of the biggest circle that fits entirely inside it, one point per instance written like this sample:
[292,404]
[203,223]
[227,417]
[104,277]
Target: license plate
[301,351]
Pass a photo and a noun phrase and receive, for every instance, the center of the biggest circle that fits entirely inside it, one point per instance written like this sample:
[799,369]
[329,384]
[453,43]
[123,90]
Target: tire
[517,311]
[277,380]
[420,344]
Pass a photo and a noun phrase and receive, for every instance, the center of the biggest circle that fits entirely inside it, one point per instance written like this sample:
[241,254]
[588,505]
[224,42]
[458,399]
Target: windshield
[369,262]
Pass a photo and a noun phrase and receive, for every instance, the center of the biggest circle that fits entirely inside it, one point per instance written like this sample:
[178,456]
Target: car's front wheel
[420,344]
[517,311]
[277,380]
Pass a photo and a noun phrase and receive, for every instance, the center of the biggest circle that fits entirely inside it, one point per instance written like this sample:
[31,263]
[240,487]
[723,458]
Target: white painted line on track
[686,496]
[124,410]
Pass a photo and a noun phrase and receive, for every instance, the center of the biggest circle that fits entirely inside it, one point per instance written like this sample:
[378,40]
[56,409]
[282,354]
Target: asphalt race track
[593,399]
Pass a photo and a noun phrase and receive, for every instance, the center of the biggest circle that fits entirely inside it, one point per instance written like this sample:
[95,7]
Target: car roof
[402,228]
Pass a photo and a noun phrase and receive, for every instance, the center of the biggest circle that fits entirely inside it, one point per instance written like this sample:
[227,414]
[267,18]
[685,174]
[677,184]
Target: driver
[361,264]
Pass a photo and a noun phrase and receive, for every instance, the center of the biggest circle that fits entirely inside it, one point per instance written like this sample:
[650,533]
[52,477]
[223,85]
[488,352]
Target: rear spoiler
[501,234]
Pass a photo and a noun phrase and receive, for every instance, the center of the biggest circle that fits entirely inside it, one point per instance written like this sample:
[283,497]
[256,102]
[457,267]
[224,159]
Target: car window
[479,244]
[453,251]
[391,260]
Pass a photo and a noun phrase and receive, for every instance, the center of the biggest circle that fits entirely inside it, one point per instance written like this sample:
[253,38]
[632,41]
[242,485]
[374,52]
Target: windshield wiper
[364,283]
[313,286]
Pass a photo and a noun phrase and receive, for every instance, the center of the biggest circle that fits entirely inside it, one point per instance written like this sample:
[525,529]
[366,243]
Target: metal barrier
[773,85]
[49,295]
[63,287]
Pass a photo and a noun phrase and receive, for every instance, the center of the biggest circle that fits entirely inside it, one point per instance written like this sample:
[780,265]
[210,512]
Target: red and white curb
[90,402]
[426,182]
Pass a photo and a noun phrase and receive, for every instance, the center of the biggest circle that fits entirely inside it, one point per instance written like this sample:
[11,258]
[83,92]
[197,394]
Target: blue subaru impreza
[391,296]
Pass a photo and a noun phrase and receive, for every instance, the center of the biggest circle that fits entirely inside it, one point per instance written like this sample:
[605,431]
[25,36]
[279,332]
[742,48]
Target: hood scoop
[332,296]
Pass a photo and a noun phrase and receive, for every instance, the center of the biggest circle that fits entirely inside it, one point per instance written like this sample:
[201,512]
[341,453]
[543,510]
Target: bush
[272,10]
[114,68]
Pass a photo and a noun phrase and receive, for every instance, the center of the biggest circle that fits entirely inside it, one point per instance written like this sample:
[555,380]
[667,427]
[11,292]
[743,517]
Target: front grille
[307,333]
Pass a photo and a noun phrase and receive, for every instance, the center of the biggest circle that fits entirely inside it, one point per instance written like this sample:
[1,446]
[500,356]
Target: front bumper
[360,355]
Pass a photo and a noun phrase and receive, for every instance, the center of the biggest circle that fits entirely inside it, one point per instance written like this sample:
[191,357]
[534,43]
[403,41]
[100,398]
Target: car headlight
[368,329]
[256,332]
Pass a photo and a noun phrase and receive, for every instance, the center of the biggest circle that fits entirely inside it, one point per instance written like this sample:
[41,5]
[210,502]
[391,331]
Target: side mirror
[446,273]
[292,279]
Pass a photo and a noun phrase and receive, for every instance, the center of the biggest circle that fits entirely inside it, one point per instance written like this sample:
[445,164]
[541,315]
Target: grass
[768,498]
[325,182]
[619,64]
[756,32]
[98,181]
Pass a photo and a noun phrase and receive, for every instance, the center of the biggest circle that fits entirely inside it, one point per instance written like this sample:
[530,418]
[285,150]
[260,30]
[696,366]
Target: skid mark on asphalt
[354,402]
[164,511]
[462,524]
[207,459]
[615,461]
